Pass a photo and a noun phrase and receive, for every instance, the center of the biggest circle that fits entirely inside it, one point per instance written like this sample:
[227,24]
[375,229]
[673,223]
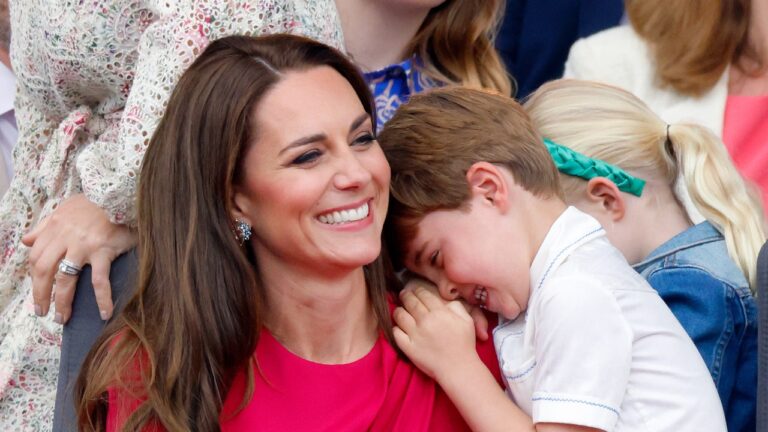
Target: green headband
[575,164]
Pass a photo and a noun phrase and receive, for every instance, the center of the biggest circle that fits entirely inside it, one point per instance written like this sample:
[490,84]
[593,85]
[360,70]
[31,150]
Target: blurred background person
[702,61]
[535,35]
[8,131]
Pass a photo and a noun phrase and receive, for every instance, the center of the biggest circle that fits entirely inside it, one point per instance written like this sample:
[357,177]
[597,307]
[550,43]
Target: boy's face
[469,254]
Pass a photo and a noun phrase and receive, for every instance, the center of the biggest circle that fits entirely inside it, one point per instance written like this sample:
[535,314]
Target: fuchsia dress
[379,392]
[745,133]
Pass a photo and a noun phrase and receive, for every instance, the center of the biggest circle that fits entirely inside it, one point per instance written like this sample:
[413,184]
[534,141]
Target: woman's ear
[607,197]
[487,181]
[240,206]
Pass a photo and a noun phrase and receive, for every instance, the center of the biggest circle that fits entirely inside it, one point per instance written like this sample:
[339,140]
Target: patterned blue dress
[393,85]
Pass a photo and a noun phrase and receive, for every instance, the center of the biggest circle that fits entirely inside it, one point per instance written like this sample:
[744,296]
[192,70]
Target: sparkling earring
[242,231]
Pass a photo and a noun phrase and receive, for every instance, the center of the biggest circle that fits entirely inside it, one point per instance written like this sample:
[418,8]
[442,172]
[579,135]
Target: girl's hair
[455,42]
[692,42]
[610,124]
[195,319]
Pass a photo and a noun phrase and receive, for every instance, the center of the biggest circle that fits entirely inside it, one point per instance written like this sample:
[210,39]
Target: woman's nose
[351,173]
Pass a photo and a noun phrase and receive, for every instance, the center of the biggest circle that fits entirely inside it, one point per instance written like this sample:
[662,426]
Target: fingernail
[38,310]
[104,315]
[58,319]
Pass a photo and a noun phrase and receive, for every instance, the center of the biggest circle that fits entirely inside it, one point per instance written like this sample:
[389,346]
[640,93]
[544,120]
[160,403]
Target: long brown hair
[195,320]
[455,42]
[692,42]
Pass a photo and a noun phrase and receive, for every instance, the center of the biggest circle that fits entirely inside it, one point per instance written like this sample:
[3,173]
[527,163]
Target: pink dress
[745,133]
[379,392]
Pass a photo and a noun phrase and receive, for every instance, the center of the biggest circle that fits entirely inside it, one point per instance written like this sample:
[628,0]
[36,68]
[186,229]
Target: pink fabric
[745,133]
[379,392]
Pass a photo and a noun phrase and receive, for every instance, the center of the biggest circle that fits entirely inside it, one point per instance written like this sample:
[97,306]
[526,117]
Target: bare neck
[653,234]
[377,34]
[325,319]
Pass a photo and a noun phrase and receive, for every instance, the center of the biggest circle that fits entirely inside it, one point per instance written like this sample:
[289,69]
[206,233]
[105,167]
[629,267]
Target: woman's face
[316,183]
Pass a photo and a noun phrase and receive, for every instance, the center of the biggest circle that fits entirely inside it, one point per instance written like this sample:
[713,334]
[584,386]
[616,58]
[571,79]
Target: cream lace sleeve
[109,167]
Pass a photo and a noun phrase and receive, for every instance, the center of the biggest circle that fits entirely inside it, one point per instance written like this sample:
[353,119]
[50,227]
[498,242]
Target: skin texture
[491,244]
[314,153]
[95,241]
[630,222]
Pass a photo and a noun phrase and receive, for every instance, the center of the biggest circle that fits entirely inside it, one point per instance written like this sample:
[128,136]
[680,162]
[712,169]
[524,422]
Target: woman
[705,62]
[94,81]
[261,282]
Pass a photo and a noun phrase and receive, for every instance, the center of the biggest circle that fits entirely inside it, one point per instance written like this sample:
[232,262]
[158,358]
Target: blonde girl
[672,201]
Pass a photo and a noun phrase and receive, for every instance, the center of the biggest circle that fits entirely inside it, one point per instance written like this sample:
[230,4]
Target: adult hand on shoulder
[78,232]
[436,335]
[479,318]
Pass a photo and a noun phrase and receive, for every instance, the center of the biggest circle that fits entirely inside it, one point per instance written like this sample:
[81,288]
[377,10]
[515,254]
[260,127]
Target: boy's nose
[448,291]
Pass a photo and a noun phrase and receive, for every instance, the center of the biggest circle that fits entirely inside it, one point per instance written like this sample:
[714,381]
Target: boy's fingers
[481,323]
[404,320]
[429,298]
[401,339]
[413,304]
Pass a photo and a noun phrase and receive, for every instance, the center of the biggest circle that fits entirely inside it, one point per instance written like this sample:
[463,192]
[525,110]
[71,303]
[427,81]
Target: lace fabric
[93,80]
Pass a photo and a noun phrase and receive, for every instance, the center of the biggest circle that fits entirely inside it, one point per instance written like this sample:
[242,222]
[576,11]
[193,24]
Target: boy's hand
[479,318]
[436,335]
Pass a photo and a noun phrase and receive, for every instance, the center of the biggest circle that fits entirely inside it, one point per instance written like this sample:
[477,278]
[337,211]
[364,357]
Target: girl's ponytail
[719,192]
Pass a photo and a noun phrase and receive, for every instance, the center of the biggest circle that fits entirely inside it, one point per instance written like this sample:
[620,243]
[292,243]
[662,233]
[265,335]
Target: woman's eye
[364,139]
[307,157]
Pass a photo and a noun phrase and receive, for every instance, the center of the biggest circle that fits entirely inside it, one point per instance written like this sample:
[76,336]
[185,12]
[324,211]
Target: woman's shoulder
[615,56]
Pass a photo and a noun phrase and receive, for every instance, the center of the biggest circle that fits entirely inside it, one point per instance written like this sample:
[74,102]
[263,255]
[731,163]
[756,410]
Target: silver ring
[69,268]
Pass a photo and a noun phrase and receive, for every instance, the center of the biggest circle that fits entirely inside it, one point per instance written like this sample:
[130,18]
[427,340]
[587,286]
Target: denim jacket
[710,297]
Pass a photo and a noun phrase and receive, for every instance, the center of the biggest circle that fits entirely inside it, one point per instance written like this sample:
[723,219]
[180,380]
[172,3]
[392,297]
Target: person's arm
[439,338]
[93,228]
[700,302]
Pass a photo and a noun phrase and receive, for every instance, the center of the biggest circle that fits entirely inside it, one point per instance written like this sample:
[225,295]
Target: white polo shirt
[598,347]
[8,130]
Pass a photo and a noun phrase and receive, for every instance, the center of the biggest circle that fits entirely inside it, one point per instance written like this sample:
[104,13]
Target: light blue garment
[710,296]
[393,85]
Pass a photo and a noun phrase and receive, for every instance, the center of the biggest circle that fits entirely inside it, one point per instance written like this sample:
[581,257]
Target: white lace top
[93,80]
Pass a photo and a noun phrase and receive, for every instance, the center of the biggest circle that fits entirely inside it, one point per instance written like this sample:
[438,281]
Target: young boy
[583,342]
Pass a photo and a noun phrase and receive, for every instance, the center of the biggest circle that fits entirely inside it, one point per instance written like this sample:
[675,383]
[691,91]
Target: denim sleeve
[714,316]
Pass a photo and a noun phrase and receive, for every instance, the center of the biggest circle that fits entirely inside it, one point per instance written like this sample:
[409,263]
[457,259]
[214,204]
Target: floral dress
[93,80]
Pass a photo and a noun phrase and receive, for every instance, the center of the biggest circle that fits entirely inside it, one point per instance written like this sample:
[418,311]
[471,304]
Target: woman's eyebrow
[303,141]
[358,121]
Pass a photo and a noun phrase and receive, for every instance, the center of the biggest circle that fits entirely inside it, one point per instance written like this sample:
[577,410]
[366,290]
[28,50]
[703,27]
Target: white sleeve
[109,168]
[584,350]
[584,62]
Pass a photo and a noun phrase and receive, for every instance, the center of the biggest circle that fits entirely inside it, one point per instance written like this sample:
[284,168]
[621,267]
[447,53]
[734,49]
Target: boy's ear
[488,182]
[607,196]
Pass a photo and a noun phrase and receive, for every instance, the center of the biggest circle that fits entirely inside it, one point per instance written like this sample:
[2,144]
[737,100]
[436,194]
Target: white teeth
[481,295]
[344,216]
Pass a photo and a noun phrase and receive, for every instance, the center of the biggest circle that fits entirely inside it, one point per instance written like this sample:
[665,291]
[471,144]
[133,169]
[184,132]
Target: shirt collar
[570,230]
[7,89]
[696,235]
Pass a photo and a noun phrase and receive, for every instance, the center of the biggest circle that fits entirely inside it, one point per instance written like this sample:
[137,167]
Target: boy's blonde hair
[433,140]
[610,124]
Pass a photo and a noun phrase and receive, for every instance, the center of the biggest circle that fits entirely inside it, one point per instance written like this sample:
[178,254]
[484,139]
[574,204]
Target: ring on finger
[67,267]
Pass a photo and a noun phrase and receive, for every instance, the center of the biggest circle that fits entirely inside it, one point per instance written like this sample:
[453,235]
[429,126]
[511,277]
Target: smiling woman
[271,135]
